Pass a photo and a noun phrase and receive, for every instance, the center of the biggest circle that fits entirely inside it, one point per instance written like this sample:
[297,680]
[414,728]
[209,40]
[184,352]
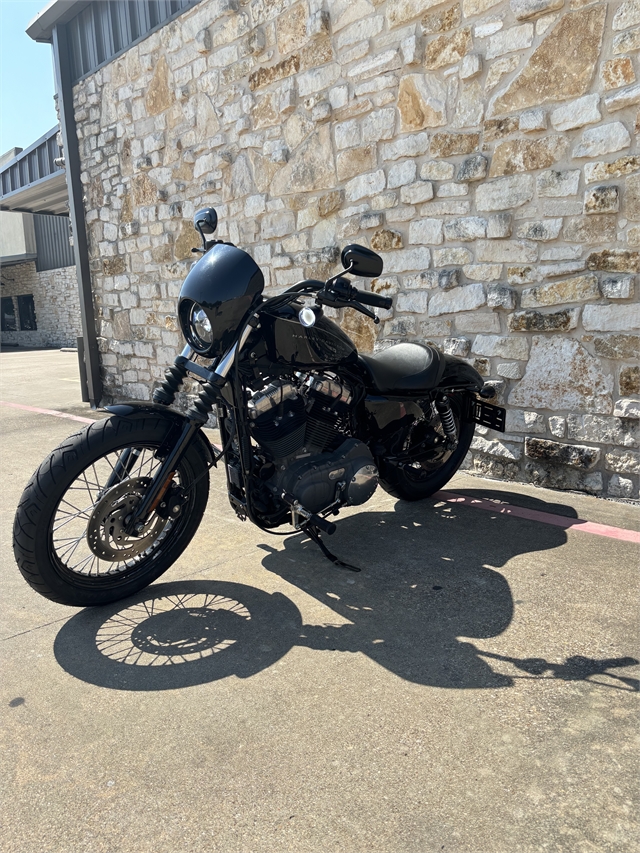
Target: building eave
[56,12]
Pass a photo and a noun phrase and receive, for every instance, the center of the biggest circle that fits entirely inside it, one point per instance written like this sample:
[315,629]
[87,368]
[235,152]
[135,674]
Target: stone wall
[486,148]
[55,296]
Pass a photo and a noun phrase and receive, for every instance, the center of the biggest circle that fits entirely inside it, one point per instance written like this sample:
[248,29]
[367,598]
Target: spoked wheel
[418,480]
[71,537]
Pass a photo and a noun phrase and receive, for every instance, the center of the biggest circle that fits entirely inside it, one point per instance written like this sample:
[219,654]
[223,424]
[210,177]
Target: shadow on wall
[429,577]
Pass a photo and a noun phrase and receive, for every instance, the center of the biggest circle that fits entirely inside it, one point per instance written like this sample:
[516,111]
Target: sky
[26,77]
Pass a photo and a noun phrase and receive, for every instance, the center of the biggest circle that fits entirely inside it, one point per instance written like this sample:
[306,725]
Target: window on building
[27,313]
[8,315]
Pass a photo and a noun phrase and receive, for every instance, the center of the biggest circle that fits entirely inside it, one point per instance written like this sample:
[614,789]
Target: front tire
[58,522]
[419,482]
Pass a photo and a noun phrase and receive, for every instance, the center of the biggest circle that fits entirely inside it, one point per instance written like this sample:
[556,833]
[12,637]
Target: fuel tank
[289,343]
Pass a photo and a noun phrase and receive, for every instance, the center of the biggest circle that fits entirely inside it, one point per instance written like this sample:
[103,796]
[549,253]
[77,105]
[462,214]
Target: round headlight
[201,326]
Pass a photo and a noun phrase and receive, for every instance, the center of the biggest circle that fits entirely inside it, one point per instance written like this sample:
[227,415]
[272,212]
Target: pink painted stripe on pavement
[544,517]
[450,497]
[47,412]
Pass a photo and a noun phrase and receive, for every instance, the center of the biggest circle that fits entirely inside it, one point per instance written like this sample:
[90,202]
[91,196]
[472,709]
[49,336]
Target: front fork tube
[162,480]
[123,467]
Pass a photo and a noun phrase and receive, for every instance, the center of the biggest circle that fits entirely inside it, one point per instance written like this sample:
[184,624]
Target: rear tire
[403,483]
[64,568]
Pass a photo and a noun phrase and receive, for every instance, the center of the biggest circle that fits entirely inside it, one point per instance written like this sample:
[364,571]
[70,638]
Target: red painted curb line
[48,412]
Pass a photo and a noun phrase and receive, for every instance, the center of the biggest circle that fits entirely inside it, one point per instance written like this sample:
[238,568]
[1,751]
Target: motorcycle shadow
[429,577]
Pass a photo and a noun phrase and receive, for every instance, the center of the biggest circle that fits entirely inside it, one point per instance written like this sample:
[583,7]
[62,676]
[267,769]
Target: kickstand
[314,534]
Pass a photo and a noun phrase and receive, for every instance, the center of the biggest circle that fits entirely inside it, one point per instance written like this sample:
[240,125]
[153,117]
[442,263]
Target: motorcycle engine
[303,430]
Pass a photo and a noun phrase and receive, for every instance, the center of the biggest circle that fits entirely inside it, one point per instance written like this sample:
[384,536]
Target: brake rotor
[106,534]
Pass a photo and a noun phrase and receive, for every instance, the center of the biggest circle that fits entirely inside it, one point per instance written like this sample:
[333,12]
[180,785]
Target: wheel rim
[75,517]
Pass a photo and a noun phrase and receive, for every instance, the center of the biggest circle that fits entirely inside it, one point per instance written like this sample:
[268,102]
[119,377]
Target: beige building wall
[487,149]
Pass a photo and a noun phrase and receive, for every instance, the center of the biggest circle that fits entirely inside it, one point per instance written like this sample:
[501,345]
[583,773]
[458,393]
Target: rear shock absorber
[448,421]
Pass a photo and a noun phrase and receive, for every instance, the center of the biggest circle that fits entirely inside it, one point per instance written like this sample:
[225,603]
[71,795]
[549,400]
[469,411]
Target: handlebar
[374,299]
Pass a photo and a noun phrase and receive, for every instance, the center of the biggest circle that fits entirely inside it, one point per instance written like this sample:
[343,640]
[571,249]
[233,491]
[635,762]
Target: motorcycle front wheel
[69,534]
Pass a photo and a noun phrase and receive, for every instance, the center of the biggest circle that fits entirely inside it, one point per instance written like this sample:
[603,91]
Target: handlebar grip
[374,299]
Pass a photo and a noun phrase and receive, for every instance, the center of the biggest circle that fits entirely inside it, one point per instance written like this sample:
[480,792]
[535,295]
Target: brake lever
[359,307]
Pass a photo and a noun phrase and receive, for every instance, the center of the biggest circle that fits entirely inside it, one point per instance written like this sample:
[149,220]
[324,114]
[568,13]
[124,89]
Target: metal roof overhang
[56,12]
[47,195]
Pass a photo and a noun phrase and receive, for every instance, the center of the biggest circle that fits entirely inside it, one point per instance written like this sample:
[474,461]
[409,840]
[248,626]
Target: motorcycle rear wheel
[59,525]
[414,483]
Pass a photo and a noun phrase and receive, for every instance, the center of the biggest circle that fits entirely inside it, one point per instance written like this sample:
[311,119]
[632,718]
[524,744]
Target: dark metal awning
[32,182]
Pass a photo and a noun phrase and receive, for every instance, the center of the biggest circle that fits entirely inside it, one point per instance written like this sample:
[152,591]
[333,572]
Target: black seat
[404,368]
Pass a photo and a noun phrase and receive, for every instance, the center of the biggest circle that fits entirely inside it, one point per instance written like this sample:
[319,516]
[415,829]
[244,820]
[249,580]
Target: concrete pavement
[472,690]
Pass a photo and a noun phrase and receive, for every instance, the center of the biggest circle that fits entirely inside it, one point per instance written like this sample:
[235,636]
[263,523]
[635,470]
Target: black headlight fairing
[226,283]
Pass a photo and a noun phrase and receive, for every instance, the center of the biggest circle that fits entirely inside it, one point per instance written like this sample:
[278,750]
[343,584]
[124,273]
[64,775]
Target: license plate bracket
[488,415]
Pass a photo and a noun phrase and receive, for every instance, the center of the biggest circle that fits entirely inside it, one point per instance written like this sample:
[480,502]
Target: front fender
[135,410]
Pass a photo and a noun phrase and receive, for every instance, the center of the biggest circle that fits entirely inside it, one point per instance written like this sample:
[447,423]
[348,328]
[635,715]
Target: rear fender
[138,410]
[458,374]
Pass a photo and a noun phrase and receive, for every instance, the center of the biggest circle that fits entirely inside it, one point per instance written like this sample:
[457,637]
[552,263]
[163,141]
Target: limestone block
[627,15]
[385,239]
[582,111]
[355,161]
[410,50]
[413,302]
[617,72]
[622,98]
[623,461]
[603,430]
[457,346]
[448,257]
[318,24]
[498,69]
[561,67]
[515,251]
[417,192]
[604,139]
[262,76]
[499,226]
[487,28]
[425,231]
[401,11]
[426,279]
[448,48]
[576,289]
[407,260]
[390,60]
[371,220]
[505,193]
[629,380]
[524,155]
[611,318]
[575,455]
[617,346]
[627,42]
[543,230]
[590,229]
[448,279]
[558,184]
[626,408]
[483,272]
[621,487]
[552,475]
[477,7]
[497,447]
[509,40]
[465,230]
[441,21]
[503,347]
[470,107]
[400,327]
[561,374]
[602,200]
[561,253]
[558,426]
[632,198]
[604,171]
[525,10]
[470,66]
[452,190]
[450,144]
[316,79]
[407,146]
[365,185]
[421,102]
[536,321]
[532,120]
[435,328]
[466,298]
[401,174]
[478,322]
[473,168]
[519,421]
[435,170]
[614,260]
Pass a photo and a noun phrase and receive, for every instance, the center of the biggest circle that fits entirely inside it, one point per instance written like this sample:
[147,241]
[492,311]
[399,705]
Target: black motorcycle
[307,426]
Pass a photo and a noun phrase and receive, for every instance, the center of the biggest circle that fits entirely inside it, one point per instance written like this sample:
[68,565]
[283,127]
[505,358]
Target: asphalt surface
[473,689]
